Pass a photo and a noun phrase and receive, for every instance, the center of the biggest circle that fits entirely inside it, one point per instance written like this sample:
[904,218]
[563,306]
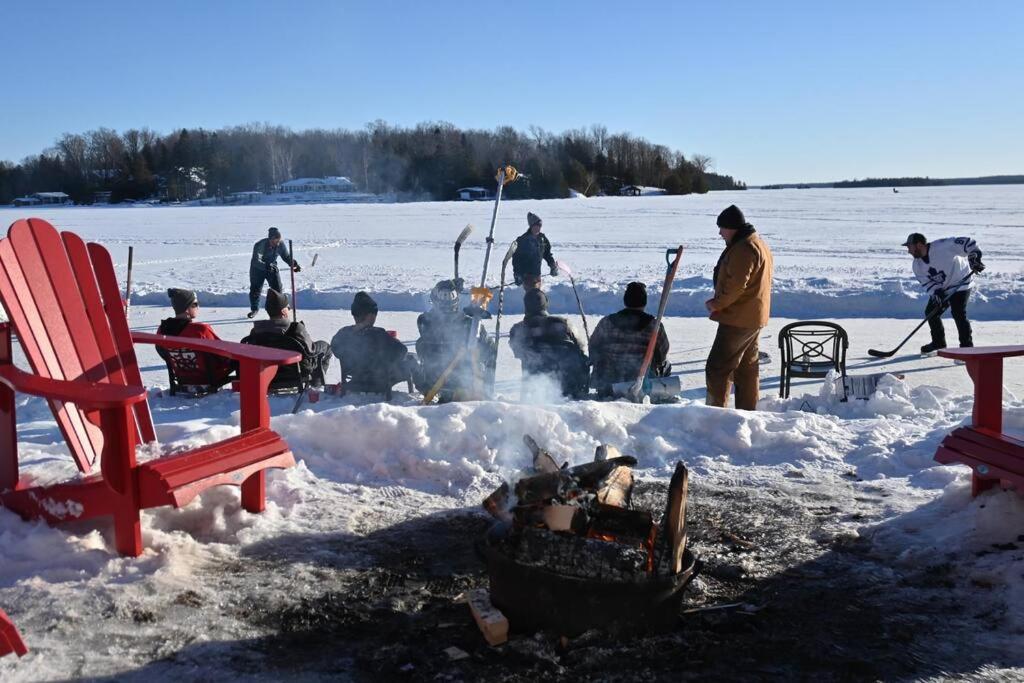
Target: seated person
[316,356]
[444,332]
[191,367]
[620,340]
[547,345]
[371,359]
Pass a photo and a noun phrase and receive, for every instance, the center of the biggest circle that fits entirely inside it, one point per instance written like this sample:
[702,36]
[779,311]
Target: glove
[297,268]
[938,299]
[554,271]
[518,280]
[459,283]
[975,262]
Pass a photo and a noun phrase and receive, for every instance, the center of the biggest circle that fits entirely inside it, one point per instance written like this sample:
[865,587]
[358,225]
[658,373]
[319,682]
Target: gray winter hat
[532,219]
[181,299]
[276,302]
[273,232]
[363,304]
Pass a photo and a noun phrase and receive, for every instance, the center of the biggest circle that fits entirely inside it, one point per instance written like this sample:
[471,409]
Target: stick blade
[463,235]
[564,267]
[880,354]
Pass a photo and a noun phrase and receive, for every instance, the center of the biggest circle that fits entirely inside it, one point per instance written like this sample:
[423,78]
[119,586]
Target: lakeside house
[327,184]
[37,198]
[472,194]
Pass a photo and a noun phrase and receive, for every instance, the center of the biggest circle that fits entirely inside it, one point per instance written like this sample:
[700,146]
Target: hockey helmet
[445,296]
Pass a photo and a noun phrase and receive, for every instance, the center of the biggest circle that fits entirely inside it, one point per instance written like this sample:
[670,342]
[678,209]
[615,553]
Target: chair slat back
[49,288]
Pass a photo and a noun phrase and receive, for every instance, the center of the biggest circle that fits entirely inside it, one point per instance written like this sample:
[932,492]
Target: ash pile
[569,551]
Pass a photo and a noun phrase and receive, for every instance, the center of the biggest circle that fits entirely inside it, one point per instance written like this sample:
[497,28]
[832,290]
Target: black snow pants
[958,307]
[257,276]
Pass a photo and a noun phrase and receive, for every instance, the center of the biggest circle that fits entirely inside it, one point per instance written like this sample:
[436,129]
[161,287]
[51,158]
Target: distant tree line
[930,182]
[428,161]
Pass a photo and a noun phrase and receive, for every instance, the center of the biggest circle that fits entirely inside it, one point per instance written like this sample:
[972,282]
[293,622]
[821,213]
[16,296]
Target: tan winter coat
[743,285]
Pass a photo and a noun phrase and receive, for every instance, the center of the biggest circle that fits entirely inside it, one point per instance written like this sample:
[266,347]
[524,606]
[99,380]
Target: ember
[569,551]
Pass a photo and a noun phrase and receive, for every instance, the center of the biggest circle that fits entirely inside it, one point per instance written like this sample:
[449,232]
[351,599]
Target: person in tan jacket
[741,306]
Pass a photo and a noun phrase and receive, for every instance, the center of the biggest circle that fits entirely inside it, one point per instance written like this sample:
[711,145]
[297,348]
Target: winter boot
[932,348]
[250,314]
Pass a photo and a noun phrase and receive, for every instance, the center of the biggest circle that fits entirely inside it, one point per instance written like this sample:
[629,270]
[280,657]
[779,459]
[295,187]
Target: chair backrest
[813,347]
[294,377]
[63,299]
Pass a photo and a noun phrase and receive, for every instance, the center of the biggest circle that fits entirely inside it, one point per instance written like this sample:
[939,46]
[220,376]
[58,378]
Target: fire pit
[569,552]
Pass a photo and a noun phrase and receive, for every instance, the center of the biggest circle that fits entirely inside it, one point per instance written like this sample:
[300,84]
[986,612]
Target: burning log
[542,460]
[543,487]
[617,488]
[497,504]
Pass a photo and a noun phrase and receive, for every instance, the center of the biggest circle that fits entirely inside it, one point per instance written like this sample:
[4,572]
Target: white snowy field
[837,252]
[864,469]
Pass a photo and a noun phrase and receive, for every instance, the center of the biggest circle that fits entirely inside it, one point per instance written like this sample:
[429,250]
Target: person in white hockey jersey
[946,268]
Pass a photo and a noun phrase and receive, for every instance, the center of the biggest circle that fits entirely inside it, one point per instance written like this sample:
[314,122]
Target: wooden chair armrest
[84,394]
[226,349]
[982,352]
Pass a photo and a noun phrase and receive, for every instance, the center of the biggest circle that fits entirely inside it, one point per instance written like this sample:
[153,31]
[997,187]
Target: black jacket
[618,345]
[264,257]
[530,251]
[546,344]
[369,355]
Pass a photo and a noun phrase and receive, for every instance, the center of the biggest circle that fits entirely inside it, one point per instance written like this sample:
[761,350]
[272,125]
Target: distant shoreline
[898,182]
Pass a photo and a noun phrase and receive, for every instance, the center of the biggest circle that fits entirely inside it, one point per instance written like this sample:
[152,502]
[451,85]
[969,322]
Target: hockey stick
[128,286]
[501,305]
[937,312]
[458,245]
[635,392]
[579,304]
[291,255]
[428,397]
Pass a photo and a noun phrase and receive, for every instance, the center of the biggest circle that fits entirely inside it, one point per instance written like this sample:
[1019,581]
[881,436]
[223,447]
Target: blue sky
[772,91]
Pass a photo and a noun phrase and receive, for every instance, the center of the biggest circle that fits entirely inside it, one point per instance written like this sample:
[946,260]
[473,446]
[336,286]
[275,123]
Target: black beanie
[636,295]
[273,232]
[276,302]
[362,304]
[181,299]
[535,301]
[732,218]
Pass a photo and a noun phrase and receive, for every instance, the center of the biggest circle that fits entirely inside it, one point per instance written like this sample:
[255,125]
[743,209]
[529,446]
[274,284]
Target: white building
[328,184]
[43,198]
[469,194]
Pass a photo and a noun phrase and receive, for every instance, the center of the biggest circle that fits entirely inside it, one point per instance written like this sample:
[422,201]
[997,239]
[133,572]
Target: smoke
[541,389]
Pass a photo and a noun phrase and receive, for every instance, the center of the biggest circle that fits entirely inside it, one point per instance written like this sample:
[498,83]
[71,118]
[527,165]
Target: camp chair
[190,372]
[290,379]
[63,301]
[811,348]
[10,639]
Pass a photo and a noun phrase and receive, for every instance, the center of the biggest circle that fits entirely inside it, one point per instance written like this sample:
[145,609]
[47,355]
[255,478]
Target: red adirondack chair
[10,639]
[62,298]
[994,457]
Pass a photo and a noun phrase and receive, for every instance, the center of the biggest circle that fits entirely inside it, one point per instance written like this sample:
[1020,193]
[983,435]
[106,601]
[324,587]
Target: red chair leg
[979,485]
[128,531]
[254,490]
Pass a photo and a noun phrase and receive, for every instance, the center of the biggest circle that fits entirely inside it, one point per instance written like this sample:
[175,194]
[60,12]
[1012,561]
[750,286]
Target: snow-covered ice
[184,608]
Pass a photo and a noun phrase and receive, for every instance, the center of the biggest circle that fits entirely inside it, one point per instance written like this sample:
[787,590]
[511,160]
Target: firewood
[543,487]
[542,460]
[497,504]
[675,517]
[489,619]
[617,487]
[606,451]
[624,525]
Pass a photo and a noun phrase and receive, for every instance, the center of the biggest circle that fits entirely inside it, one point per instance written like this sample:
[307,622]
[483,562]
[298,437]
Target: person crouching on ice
[263,267]
[316,355]
[192,368]
[946,268]
[546,345]
[372,361]
[444,332]
[620,340]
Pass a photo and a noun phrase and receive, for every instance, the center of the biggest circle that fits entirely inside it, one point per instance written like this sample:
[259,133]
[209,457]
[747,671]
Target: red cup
[393,334]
